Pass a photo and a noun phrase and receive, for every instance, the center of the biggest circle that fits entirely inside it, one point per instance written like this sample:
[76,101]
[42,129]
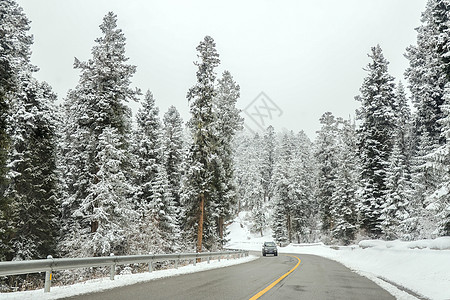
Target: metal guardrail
[54,264]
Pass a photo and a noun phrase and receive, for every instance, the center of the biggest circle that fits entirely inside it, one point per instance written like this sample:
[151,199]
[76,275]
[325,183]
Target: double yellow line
[276,281]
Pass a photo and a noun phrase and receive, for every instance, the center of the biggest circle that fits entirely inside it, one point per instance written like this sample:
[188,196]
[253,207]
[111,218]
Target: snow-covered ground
[98,285]
[422,267]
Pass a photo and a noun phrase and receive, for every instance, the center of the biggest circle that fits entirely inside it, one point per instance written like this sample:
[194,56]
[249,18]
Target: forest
[87,178]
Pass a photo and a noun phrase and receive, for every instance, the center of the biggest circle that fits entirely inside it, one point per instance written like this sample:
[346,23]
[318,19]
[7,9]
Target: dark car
[269,248]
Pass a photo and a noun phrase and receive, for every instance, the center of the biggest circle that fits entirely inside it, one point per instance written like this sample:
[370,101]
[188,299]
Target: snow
[101,284]
[422,267]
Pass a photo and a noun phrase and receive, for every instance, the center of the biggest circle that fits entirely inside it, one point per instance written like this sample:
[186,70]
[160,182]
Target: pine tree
[173,159]
[247,171]
[198,179]
[269,158]
[96,110]
[344,201]
[149,152]
[302,186]
[395,209]
[375,139]
[428,74]
[327,163]
[227,123]
[28,185]
[15,52]
[106,203]
[163,213]
[441,157]
[32,171]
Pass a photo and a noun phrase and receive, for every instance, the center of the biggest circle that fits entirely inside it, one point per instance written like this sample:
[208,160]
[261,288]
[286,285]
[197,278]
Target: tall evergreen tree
[32,171]
[428,74]
[95,109]
[302,185]
[173,158]
[395,209]
[326,154]
[227,123]
[198,180]
[344,201]
[247,174]
[15,52]
[269,158]
[375,141]
[28,185]
[149,152]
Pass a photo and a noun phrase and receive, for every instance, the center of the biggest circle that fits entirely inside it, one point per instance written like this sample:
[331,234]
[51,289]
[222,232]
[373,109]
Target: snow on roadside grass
[421,266]
[101,284]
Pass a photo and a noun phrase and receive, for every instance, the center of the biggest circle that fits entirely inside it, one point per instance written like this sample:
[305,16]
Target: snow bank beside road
[423,271]
[442,243]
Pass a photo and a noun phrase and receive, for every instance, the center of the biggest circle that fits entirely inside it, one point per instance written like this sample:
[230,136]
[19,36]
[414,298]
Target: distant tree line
[383,175]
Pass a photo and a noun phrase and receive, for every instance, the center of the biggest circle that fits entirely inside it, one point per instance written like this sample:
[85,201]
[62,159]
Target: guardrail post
[48,278]
[209,258]
[112,271]
[150,266]
[195,260]
[219,258]
[177,261]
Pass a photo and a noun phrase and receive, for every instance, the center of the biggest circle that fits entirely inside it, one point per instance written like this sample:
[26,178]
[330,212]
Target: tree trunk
[221,231]
[289,228]
[200,223]
[94,226]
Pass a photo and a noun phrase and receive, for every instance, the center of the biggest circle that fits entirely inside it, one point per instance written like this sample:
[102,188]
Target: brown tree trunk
[94,226]
[289,228]
[221,231]
[200,224]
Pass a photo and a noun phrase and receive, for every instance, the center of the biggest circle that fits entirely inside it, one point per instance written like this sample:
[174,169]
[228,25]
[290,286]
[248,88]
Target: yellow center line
[276,281]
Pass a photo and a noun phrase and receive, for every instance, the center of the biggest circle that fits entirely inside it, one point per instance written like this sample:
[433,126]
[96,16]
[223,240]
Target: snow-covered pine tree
[98,103]
[344,201]
[326,154]
[163,214]
[148,137]
[198,180]
[28,188]
[284,192]
[32,170]
[227,123]
[269,159]
[440,202]
[106,203]
[247,171]
[427,75]
[173,159]
[302,187]
[15,52]
[375,142]
[395,212]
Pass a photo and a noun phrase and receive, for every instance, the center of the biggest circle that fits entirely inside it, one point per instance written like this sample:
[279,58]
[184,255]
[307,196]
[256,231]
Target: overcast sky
[307,57]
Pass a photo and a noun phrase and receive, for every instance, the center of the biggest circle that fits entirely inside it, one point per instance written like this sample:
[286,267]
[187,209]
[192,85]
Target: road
[314,278]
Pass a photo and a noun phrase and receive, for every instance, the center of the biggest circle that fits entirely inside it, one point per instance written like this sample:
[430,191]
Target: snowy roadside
[422,267]
[101,284]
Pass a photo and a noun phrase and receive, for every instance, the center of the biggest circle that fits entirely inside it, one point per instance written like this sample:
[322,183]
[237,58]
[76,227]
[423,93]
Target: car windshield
[270,244]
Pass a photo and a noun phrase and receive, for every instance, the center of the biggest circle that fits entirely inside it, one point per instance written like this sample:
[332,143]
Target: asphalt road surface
[314,278]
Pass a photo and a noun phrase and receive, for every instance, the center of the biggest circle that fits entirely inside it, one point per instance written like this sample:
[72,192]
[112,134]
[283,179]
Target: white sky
[307,56]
